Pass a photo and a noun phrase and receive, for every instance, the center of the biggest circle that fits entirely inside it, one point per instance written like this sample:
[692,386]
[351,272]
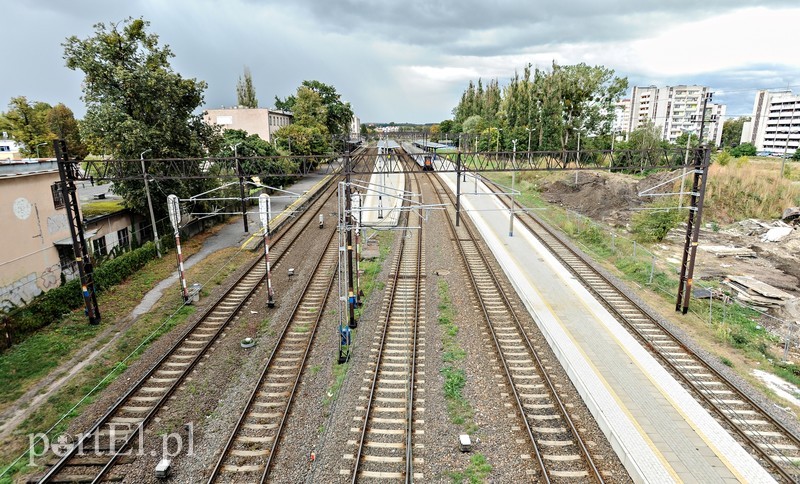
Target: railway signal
[265,212]
[174,209]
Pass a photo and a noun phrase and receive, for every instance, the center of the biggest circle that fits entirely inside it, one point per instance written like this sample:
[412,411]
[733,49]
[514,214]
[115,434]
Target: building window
[100,246]
[122,238]
[58,195]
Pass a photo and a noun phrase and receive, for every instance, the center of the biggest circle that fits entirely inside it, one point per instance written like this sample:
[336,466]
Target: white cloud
[744,37]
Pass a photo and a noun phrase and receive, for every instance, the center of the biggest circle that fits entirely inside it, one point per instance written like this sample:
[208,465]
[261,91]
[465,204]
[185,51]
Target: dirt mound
[609,197]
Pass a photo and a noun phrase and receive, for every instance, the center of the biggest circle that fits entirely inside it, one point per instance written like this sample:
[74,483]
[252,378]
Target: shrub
[50,306]
[724,158]
[654,224]
[744,149]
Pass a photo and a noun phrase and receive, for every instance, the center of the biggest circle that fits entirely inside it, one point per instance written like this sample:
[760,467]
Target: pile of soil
[607,197]
[612,199]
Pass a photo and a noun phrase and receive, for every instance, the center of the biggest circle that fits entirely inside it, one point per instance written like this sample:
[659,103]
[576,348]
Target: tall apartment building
[622,116]
[675,110]
[775,123]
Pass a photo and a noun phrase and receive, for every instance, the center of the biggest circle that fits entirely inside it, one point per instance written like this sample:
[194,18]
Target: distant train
[423,159]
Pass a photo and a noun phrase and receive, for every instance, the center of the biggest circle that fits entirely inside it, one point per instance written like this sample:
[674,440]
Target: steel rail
[585,454]
[269,364]
[59,466]
[705,398]
[373,386]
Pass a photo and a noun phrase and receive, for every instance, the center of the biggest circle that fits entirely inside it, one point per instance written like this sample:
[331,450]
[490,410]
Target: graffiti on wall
[19,292]
[24,289]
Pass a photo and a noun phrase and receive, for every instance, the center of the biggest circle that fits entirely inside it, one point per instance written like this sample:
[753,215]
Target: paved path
[231,235]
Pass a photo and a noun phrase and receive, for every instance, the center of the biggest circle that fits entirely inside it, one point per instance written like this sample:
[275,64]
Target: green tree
[338,114]
[255,155]
[796,155]
[135,102]
[680,141]
[285,104]
[27,123]
[309,109]
[732,131]
[446,126]
[245,92]
[62,124]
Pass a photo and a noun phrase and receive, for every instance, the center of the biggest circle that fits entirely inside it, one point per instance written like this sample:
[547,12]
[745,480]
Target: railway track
[776,446]
[91,458]
[384,447]
[249,451]
[558,446]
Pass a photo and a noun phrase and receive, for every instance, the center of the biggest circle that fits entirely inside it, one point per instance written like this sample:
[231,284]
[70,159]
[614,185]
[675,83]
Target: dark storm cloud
[514,24]
[392,60]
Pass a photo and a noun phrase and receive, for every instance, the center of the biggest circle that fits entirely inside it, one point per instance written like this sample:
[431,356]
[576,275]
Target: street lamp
[241,184]
[786,147]
[150,202]
[529,130]
[511,196]
[37,148]
[685,163]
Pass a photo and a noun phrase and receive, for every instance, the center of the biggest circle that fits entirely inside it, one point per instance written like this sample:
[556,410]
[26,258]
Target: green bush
[50,306]
[723,158]
[744,149]
[653,225]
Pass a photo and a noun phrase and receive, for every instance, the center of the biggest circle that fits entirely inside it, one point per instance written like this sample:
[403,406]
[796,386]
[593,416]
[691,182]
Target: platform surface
[658,430]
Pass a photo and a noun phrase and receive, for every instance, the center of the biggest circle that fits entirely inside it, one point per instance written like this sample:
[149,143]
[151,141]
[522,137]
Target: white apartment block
[622,116]
[675,110]
[260,121]
[775,123]
[355,127]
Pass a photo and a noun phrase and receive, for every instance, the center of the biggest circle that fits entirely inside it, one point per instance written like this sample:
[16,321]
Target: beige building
[261,121]
[34,221]
[36,242]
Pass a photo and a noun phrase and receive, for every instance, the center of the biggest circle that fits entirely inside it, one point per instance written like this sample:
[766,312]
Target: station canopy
[431,145]
[392,144]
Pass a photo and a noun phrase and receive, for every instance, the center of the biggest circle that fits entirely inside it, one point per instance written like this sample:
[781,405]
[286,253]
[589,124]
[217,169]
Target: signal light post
[265,212]
[173,207]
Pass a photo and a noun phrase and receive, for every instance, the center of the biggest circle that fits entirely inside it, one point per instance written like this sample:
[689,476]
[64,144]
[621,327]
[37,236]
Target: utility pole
[265,212]
[513,177]
[150,203]
[68,172]
[241,186]
[351,297]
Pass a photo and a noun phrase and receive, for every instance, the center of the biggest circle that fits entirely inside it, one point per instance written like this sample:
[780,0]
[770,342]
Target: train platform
[284,205]
[383,198]
[659,431]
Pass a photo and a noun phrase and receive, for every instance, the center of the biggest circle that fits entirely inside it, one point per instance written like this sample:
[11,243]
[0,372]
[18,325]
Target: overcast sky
[409,61]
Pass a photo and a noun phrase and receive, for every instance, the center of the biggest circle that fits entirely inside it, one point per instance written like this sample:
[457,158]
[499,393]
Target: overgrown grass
[74,332]
[339,374]
[476,473]
[748,189]
[455,378]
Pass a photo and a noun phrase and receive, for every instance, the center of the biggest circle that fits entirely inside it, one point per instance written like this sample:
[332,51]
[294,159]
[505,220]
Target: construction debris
[728,251]
[756,293]
[791,215]
[777,233]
